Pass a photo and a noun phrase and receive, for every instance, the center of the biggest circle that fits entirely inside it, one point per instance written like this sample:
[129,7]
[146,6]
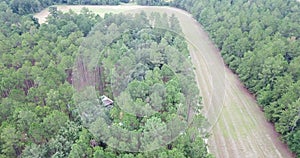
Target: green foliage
[293,139]
[149,82]
[152,2]
[82,147]
[61,144]
[39,116]
[32,6]
[10,141]
[34,151]
[261,43]
[35,96]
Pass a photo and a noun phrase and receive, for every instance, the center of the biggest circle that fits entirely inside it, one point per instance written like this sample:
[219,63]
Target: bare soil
[238,126]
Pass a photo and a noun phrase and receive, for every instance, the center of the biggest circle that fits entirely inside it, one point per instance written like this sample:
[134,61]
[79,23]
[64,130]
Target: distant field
[239,128]
[100,10]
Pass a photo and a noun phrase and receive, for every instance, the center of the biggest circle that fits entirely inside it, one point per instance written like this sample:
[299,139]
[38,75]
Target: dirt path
[239,128]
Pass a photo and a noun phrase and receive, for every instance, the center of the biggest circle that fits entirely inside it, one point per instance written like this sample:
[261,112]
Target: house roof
[106,101]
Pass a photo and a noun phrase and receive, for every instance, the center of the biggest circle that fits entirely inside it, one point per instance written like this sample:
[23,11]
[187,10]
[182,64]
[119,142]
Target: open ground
[238,126]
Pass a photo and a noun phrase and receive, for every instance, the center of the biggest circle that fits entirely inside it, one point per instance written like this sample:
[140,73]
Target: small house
[106,101]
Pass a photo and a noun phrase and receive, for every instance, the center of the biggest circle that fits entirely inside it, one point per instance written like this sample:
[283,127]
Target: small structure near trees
[106,101]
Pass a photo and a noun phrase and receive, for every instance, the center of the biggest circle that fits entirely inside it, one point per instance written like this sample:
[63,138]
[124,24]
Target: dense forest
[46,83]
[260,41]
[145,69]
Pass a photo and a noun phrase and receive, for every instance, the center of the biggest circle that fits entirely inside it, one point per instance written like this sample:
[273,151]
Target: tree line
[32,6]
[260,41]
